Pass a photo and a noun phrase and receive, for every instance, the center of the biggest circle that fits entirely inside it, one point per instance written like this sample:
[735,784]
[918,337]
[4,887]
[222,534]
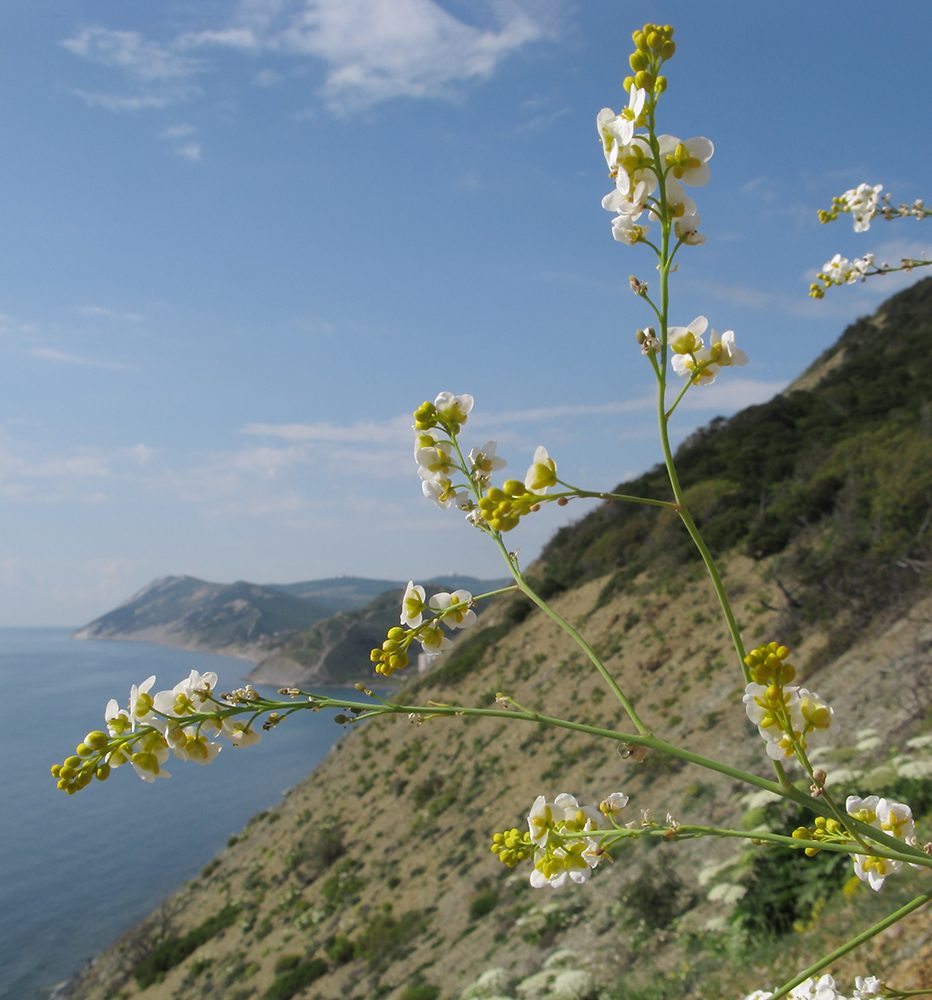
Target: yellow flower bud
[97,740]
[667,49]
[102,772]
[72,761]
[660,84]
[643,80]
[638,60]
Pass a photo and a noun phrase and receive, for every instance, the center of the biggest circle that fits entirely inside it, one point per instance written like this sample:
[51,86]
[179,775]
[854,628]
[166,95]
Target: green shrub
[285,986]
[384,938]
[174,951]
[420,991]
[482,903]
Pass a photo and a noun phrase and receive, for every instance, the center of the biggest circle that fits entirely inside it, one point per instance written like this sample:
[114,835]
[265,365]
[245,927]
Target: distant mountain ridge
[260,622]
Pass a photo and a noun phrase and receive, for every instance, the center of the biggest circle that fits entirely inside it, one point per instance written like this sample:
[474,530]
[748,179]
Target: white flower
[686,367]
[483,462]
[687,339]
[435,461]
[433,640]
[188,696]
[628,203]
[540,820]
[141,702]
[542,474]
[869,987]
[581,817]
[770,716]
[616,131]
[687,160]
[822,988]
[118,719]
[814,718]
[189,744]
[896,818]
[727,354]
[868,810]
[240,733]
[148,756]
[625,231]
[612,804]
[687,230]
[637,161]
[759,995]
[679,204]
[425,439]
[453,409]
[413,605]
[463,617]
[442,493]
[861,202]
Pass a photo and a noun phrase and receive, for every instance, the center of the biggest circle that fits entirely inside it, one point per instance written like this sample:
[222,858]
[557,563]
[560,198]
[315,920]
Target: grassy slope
[401,817]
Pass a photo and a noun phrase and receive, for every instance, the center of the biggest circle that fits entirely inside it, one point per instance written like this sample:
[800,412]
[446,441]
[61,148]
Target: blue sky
[241,245]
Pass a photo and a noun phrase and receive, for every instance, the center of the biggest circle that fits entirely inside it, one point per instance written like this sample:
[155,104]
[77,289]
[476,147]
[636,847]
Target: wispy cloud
[267,78]
[50,354]
[373,50]
[190,151]
[370,432]
[137,102]
[103,312]
[160,73]
[177,131]
[134,55]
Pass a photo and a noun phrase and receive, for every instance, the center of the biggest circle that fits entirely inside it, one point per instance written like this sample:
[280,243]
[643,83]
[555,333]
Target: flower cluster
[895,819]
[184,720]
[423,616]
[700,364]
[559,837]
[649,171]
[862,203]
[824,988]
[440,461]
[789,718]
[841,271]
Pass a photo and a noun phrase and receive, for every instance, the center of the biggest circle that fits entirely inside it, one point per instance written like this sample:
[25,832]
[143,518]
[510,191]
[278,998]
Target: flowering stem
[693,832]
[855,942]
[577,638]
[617,496]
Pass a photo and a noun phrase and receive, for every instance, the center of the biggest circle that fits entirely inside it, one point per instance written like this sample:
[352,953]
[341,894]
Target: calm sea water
[78,870]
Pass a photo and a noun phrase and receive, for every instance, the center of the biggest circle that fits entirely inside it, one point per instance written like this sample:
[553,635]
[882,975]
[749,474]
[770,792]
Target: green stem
[594,495]
[577,638]
[855,942]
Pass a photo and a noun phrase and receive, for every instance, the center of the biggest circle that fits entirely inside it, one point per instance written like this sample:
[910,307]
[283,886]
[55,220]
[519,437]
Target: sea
[78,870]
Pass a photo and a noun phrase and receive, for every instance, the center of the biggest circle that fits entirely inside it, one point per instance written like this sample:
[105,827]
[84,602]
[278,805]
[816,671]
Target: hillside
[239,619]
[373,877]
[255,622]
[335,651]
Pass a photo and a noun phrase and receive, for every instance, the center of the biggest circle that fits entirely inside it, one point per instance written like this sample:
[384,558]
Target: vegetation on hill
[837,477]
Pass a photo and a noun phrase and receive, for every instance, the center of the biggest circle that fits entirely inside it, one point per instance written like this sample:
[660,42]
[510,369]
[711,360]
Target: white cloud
[136,56]
[50,354]
[138,102]
[177,131]
[267,78]
[373,50]
[190,151]
[102,312]
[371,432]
